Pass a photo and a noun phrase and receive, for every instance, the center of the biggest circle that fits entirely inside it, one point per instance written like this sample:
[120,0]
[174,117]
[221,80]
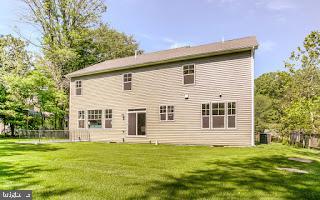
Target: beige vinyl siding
[229,75]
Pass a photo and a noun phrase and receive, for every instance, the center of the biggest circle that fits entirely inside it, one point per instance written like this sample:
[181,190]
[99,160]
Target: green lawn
[144,171]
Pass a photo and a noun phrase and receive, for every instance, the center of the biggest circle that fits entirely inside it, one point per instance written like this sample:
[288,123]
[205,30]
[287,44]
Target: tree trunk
[12,130]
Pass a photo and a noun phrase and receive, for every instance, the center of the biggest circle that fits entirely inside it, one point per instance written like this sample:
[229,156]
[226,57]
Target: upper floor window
[218,115]
[205,113]
[78,87]
[188,74]
[127,81]
[108,118]
[166,113]
[94,118]
[81,119]
[231,114]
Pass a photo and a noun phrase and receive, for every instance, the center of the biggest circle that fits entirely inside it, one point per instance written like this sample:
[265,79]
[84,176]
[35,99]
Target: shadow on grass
[252,178]
[10,148]
[20,175]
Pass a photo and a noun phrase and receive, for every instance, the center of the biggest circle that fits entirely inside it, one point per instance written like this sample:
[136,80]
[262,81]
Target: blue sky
[280,25]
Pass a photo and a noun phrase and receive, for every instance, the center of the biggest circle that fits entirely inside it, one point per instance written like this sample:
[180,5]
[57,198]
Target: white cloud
[177,45]
[276,5]
[267,46]
[280,5]
[173,43]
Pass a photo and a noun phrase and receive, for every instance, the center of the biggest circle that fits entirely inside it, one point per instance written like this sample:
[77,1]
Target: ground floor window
[81,119]
[94,118]
[166,113]
[231,114]
[205,112]
[218,115]
[108,118]
[223,115]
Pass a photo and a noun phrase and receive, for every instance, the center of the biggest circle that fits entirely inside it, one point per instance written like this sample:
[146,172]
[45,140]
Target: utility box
[265,138]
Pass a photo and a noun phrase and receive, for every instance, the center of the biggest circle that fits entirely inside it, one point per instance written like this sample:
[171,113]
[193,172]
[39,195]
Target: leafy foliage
[74,36]
[295,95]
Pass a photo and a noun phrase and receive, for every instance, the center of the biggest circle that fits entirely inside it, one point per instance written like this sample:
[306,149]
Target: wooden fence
[305,140]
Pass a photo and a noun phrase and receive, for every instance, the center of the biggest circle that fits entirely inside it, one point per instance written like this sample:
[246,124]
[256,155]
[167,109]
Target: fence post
[39,135]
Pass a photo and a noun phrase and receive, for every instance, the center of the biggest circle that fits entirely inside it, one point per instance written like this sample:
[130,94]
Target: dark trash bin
[265,138]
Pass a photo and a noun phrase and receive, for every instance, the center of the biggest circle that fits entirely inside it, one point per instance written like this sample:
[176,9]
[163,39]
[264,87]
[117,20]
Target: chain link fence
[53,135]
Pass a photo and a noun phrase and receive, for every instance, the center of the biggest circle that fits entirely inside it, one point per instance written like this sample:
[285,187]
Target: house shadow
[253,178]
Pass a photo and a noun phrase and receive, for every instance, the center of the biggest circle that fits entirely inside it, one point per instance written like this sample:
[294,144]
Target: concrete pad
[301,160]
[293,170]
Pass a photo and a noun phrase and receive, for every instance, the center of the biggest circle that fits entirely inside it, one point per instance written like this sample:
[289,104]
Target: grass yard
[144,171]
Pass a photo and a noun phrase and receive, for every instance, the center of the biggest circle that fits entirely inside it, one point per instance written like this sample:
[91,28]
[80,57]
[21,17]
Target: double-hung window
[163,113]
[218,115]
[81,119]
[231,114]
[127,81]
[94,118]
[108,118]
[205,113]
[166,113]
[188,74]
[78,88]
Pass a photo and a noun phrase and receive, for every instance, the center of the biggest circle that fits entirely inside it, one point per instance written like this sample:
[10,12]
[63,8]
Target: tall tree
[74,36]
[304,90]
[270,89]
[14,62]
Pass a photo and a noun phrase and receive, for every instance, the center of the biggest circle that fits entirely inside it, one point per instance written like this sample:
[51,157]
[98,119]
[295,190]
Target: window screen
[108,118]
[78,87]
[188,74]
[127,81]
[231,114]
[81,119]
[218,115]
[205,113]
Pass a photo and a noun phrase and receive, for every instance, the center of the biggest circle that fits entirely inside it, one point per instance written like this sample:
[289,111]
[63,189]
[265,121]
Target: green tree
[303,92]
[74,36]
[14,62]
[270,91]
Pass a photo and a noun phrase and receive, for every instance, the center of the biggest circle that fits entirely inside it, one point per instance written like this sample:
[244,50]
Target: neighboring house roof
[171,55]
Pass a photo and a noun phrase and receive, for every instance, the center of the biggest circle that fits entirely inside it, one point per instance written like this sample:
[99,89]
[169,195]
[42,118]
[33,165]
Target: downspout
[252,96]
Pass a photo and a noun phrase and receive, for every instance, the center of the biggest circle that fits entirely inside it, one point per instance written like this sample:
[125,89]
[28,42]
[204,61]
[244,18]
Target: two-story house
[190,95]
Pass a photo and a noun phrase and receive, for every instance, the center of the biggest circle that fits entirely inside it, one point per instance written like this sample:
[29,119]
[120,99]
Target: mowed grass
[145,171]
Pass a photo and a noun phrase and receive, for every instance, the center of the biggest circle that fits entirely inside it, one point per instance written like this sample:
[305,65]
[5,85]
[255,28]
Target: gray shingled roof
[170,55]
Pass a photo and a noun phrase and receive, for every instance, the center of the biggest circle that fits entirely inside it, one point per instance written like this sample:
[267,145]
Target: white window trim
[236,116]
[174,111]
[194,75]
[127,81]
[78,88]
[225,116]
[89,120]
[136,136]
[209,116]
[84,120]
[104,119]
